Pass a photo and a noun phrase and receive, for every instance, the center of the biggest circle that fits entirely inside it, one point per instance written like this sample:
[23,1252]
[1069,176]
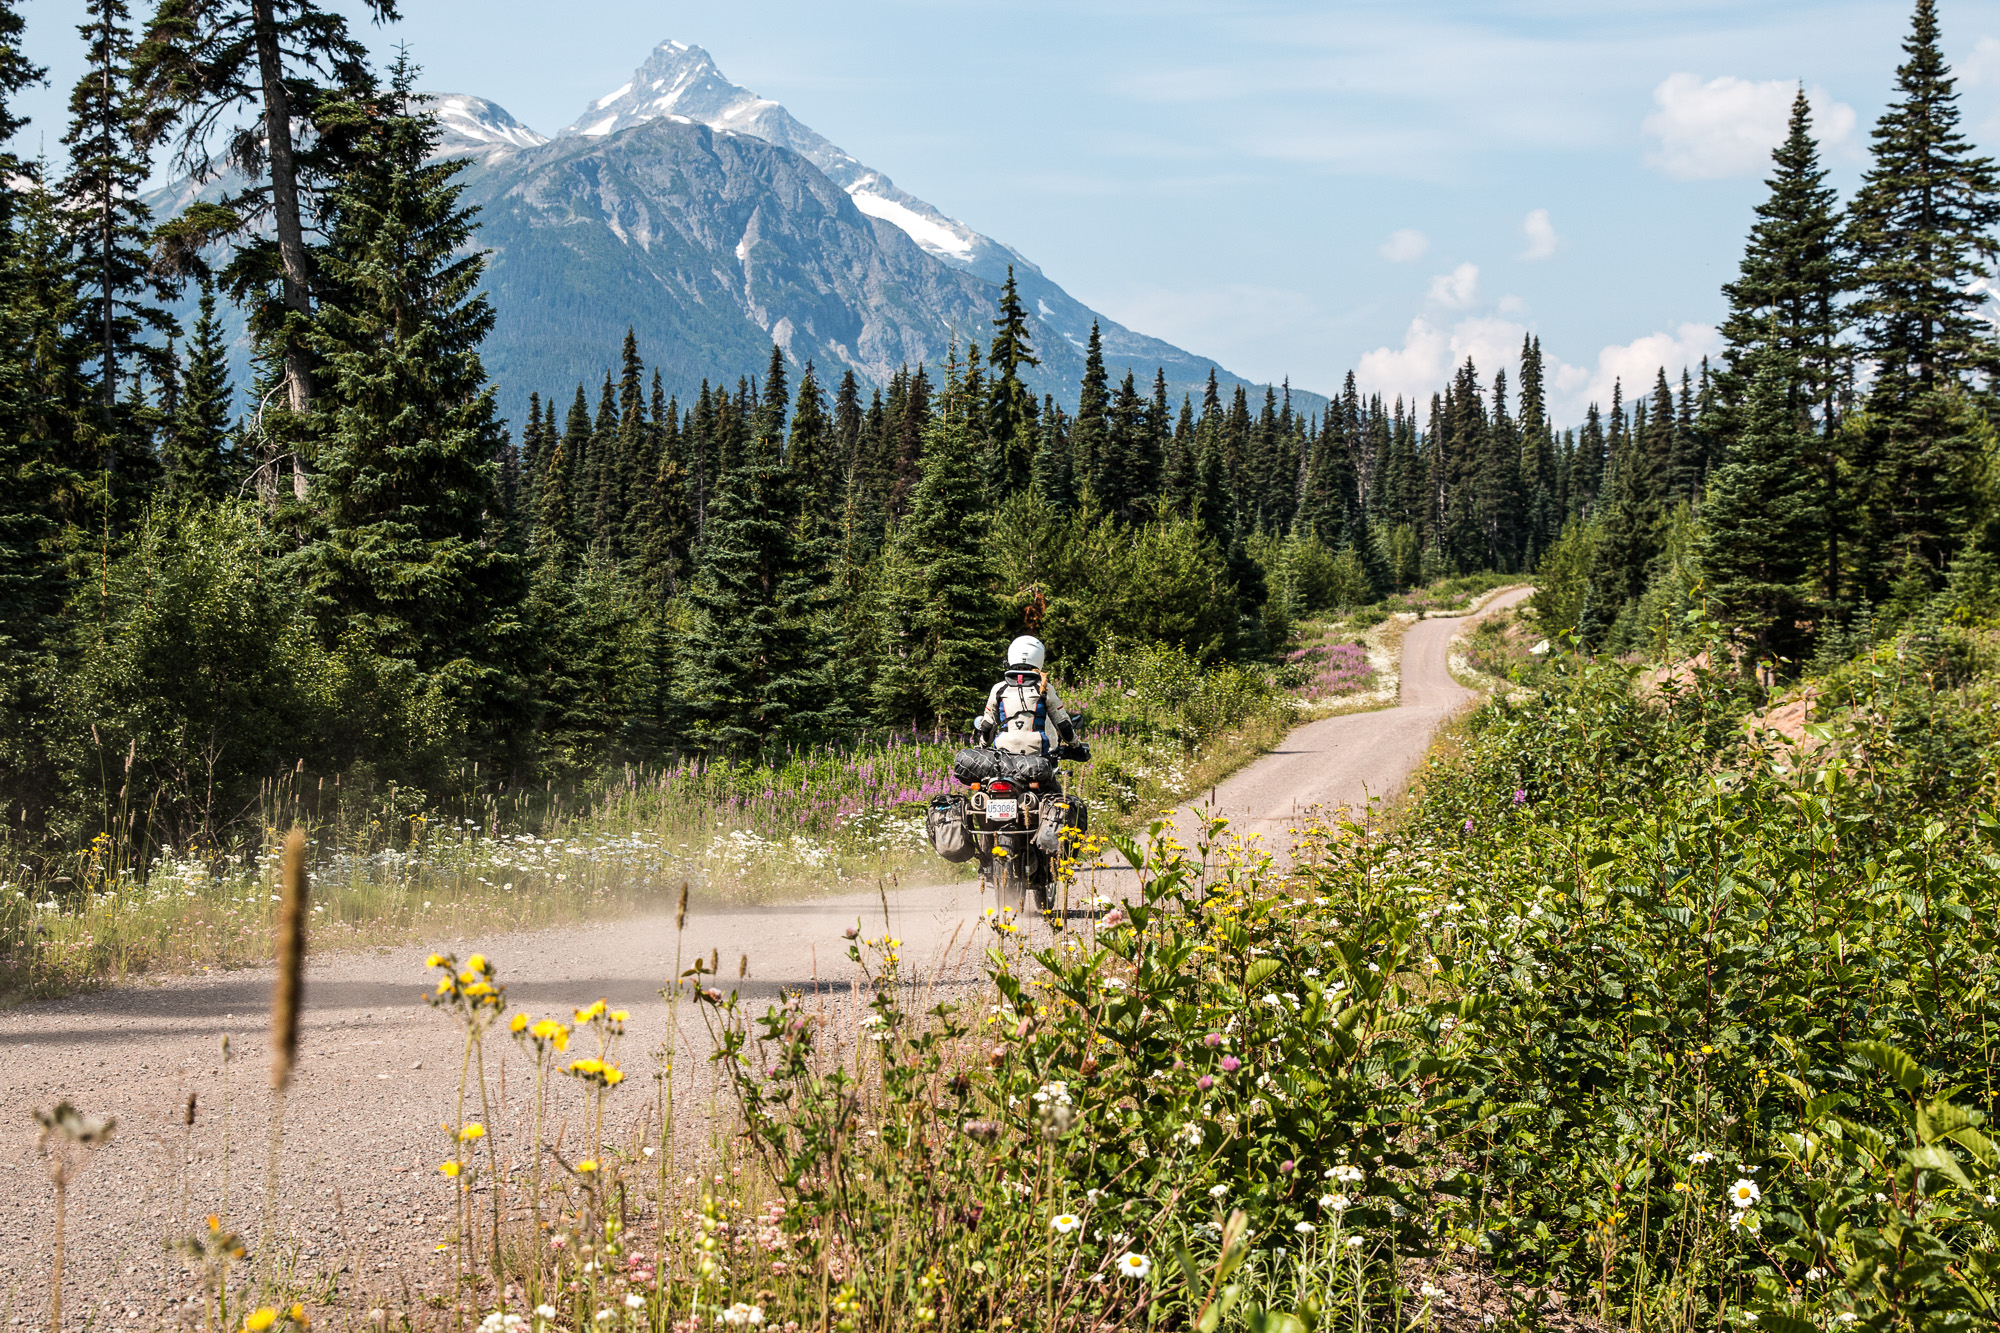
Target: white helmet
[1026,651]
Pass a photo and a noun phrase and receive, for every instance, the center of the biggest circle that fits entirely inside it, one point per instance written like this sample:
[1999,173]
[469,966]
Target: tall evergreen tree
[202,66]
[409,435]
[1922,231]
[103,213]
[197,448]
[1760,514]
[1090,432]
[943,618]
[1010,405]
[1787,294]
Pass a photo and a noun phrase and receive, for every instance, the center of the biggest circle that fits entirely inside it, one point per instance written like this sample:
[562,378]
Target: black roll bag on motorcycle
[1011,817]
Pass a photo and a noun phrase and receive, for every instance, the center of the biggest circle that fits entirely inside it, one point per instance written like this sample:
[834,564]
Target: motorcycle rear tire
[1008,878]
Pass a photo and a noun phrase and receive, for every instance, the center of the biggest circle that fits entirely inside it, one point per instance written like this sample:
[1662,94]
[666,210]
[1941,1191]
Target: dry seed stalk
[286,999]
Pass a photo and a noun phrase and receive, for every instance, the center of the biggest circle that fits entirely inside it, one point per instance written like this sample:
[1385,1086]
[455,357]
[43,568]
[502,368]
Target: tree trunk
[284,198]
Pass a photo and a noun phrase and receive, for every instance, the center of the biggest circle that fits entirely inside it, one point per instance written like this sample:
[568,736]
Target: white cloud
[1574,388]
[1728,126]
[1983,65]
[1541,234]
[1429,355]
[1405,245]
[1457,289]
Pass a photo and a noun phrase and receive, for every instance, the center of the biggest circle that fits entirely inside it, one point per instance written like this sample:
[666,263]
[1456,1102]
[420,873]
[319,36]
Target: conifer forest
[354,566]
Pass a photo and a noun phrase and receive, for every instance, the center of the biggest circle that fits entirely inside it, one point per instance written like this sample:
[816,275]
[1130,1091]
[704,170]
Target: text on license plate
[997,809]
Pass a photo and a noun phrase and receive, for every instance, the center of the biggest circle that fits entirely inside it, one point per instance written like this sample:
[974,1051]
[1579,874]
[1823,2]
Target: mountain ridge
[712,223]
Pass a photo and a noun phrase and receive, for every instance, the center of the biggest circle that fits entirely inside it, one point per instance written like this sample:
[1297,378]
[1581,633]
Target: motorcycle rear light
[1000,786]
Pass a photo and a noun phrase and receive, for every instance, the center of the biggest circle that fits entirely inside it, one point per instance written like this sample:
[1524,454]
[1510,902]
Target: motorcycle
[1006,817]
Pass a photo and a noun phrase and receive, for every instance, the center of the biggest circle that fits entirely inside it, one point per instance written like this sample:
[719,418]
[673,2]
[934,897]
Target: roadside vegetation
[1642,1013]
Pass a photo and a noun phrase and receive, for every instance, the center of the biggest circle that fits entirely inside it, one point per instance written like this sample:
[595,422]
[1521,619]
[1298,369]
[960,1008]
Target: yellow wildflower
[259,1320]
[588,1164]
[471,1132]
[449,1168]
[519,1024]
[435,960]
[478,963]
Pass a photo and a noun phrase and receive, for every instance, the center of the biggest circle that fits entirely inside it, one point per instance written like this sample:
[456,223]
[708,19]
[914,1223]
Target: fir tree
[203,64]
[817,475]
[1053,480]
[943,619]
[409,438]
[1760,513]
[103,214]
[754,673]
[1922,232]
[197,453]
[1010,405]
[1090,431]
[1787,294]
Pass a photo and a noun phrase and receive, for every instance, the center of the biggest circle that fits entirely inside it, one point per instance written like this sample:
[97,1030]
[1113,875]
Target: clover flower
[1346,1174]
[1230,1064]
[634,1301]
[1134,1265]
[1304,1228]
[1064,1223]
[741,1314]
[1217,1191]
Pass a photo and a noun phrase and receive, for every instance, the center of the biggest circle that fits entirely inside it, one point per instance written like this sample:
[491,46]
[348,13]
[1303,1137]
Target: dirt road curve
[363,1202]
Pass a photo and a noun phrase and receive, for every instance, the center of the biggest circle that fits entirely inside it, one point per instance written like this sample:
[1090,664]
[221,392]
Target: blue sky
[1295,189]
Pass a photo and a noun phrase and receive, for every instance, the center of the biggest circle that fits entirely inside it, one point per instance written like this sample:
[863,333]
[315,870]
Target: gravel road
[363,1204]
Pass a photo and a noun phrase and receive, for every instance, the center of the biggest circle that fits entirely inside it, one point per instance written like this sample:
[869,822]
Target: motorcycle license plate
[999,809]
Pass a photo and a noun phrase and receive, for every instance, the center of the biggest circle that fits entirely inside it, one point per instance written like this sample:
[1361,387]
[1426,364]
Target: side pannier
[945,823]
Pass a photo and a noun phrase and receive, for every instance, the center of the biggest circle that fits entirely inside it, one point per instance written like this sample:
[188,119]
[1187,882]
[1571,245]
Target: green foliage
[1094,580]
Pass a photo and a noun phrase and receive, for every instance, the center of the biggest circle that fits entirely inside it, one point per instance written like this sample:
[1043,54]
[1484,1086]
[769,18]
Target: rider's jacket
[1025,715]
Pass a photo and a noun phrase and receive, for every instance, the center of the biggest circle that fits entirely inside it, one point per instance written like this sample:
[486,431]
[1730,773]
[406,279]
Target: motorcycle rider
[1024,715]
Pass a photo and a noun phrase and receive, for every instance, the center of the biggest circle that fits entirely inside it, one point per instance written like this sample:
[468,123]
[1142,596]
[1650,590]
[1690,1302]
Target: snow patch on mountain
[938,240]
[474,125]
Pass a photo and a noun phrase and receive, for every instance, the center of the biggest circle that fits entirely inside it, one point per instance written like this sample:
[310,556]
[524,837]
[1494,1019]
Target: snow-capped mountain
[712,223]
[476,127]
[679,81]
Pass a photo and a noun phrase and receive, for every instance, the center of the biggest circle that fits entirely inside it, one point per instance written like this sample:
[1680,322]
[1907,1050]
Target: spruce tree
[109,226]
[754,671]
[1090,432]
[1053,479]
[1921,228]
[1760,514]
[409,433]
[203,65]
[197,452]
[943,620]
[1009,408]
[817,475]
[1788,291]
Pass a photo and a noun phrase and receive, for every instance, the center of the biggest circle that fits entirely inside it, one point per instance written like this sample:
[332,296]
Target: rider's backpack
[1024,716]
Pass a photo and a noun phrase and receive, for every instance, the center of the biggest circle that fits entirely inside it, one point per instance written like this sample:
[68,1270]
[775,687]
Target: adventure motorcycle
[1012,818]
